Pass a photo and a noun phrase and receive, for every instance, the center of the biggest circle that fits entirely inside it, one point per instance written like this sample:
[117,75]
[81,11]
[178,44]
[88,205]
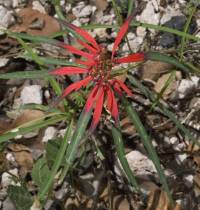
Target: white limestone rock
[31,94]
[6,17]
[149,15]
[49,134]
[186,86]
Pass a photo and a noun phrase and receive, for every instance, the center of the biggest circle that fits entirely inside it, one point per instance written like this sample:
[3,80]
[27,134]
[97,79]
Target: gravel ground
[98,182]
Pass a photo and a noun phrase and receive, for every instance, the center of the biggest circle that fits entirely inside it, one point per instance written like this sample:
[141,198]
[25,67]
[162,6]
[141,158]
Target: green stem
[183,40]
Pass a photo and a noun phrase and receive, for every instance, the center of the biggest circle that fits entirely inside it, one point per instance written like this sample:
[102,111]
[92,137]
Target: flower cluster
[98,64]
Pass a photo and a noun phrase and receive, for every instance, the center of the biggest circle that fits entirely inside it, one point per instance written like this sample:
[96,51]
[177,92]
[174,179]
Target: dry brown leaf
[22,156]
[152,70]
[18,148]
[158,200]
[35,23]
[27,116]
[100,4]
[127,127]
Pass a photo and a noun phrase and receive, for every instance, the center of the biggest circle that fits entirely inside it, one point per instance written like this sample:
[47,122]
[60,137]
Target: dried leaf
[158,200]
[152,70]
[35,23]
[27,116]
[22,156]
[100,4]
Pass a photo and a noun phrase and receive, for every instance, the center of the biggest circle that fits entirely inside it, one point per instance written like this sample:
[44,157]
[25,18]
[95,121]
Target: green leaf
[40,172]
[156,56]
[146,141]
[163,89]
[20,197]
[26,75]
[186,27]
[40,39]
[121,155]
[75,140]
[27,129]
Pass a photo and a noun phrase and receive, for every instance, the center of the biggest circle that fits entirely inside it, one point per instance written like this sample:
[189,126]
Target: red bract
[98,65]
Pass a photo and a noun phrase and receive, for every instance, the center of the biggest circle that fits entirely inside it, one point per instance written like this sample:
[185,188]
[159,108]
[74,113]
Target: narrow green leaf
[149,26]
[75,140]
[29,50]
[156,56]
[40,39]
[147,144]
[58,161]
[59,62]
[20,197]
[131,6]
[26,75]
[163,89]
[186,27]
[27,129]
[121,155]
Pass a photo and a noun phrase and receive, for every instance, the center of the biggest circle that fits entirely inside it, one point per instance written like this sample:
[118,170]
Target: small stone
[77,9]
[38,6]
[131,36]
[110,47]
[31,94]
[174,140]
[86,11]
[134,43]
[49,134]
[7,179]
[8,205]
[113,34]
[84,20]
[140,164]
[141,31]
[100,32]
[10,157]
[7,3]
[186,86]
[188,180]
[180,158]
[149,15]
[15,3]
[6,17]
[68,7]
[76,23]
[47,94]
[3,61]
[168,14]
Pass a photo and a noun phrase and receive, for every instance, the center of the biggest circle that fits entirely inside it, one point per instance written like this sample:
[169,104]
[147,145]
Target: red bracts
[98,66]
